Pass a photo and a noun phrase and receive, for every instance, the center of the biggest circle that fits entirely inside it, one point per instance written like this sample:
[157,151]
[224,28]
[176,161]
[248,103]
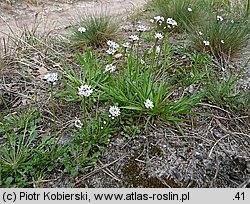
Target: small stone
[117,56]
[218,133]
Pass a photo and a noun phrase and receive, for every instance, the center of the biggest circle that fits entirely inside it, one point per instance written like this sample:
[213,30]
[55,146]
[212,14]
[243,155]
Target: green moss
[135,178]
[155,151]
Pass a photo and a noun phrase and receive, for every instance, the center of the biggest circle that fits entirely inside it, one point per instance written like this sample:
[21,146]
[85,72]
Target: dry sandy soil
[58,14]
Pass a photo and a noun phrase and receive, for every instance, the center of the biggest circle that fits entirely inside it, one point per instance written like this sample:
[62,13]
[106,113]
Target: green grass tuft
[186,12]
[225,37]
[99,29]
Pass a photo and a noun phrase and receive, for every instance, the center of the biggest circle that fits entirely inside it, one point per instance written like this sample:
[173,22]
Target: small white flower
[85,90]
[51,77]
[82,30]
[134,37]
[171,22]
[190,10]
[152,20]
[114,111]
[141,28]
[219,18]
[158,36]
[78,123]
[159,19]
[222,41]
[206,43]
[190,89]
[200,33]
[142,61]
[109,43]
[126,45]
[109,68]
[111,51]
[112,44]
[148,103]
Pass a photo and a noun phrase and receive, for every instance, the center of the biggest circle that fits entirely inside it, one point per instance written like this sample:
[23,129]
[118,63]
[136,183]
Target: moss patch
[135,178]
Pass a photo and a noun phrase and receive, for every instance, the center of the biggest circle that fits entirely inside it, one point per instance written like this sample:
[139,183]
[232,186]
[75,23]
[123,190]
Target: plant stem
[5,127]
[161,48]
[248,8]
[53,109]
[84,111]
[137,57]
[54,118]
[6,106]
[153,55]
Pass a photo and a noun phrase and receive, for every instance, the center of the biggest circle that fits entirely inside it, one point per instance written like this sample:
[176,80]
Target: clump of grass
[220,36]
[248,8]
[93,30]
[186,12]
[87,144]
[224,93]
[219,3]
[23,46]
[236,8]
[17,155]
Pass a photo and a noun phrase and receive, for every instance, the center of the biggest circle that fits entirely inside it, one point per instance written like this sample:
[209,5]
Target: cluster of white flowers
[206,42]
[222,41]
[109,68]
[114,111]
[141,28]
[190,10]
[82,30]
[171,23]
[126,45]
[112,44]
[85,90]
[219,18]
[134,37]
[200,33]
[158,36]
[111,51]
[149,104]
[51,77]
[158,19]
[113,47]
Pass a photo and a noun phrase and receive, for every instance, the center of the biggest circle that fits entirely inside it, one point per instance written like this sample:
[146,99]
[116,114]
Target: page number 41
[239,196]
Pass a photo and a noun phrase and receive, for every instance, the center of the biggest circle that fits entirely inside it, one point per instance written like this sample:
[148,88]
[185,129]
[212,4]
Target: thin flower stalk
[5,127]
[7,107]
[53,108]
[84,110]
[161,47]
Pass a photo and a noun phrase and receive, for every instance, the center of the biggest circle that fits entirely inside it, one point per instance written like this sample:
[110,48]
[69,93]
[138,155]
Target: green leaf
[132,108]
[9,180]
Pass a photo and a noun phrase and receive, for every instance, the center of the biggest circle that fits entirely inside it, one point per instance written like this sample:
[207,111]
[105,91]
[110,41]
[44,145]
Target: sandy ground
[58,15]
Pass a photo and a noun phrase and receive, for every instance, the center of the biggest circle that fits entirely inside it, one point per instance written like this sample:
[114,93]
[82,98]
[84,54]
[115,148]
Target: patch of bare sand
[54,15]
